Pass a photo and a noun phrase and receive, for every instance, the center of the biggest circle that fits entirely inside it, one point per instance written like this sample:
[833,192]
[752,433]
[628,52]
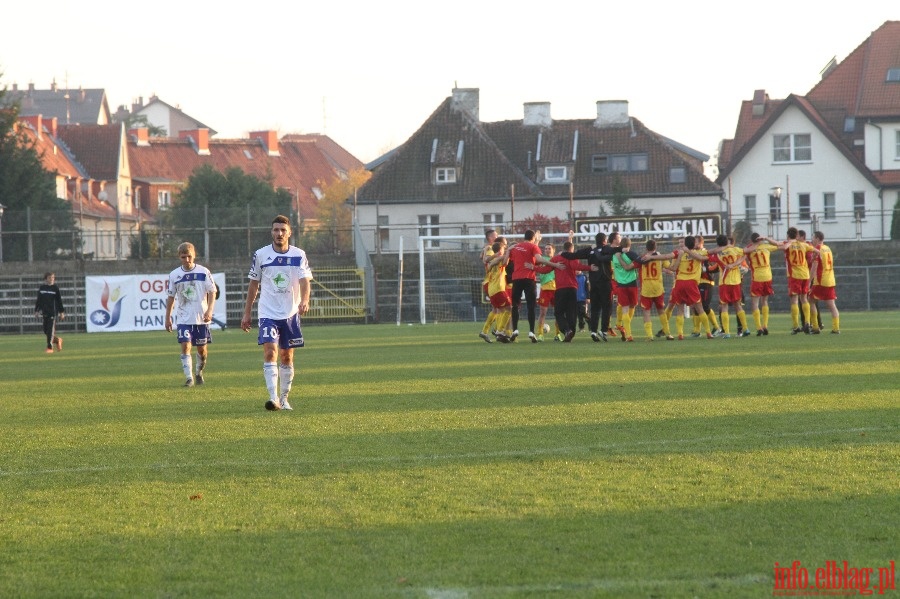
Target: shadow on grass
[717,551]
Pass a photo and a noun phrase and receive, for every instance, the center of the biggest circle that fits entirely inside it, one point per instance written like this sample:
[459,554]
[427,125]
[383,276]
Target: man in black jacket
[601,281]
[49,306]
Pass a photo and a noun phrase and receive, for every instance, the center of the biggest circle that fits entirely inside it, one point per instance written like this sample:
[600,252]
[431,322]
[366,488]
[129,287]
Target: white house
[827,161]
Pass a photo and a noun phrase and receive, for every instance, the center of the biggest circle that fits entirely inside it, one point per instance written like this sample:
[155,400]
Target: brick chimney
[53,125]
[760,99]
[465,100]
[611,113]
[537,114]
[141,136]
[35,121]
[269,141]
[200,139]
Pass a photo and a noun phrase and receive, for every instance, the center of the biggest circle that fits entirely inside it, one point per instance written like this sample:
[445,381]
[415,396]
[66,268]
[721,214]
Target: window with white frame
[429,225]
[774,209]
[792,147]
[163,199]
[859,205]
[677,174]
[494,221]
[828,203]
[445,175]
[897,145]
[750,208]
[804,208]
[556,174]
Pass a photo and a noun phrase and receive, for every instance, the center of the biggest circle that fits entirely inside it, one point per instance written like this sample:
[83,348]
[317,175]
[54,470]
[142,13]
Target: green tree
[618,203]
[335,212]
[237,208]
[28,194]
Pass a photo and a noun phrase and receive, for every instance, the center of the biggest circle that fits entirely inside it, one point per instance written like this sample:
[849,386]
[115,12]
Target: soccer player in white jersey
[192,294]
[281,276]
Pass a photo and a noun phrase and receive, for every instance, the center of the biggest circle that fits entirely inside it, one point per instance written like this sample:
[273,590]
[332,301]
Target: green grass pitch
[420,461]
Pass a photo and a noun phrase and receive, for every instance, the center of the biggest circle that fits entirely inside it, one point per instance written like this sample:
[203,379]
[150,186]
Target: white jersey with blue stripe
[279,275]
[189,288]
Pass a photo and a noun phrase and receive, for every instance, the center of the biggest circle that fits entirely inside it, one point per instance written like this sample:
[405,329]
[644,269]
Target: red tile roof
[300,166]
[96,147]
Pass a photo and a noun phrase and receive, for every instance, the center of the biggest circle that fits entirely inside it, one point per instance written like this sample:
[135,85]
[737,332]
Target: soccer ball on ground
[546,328]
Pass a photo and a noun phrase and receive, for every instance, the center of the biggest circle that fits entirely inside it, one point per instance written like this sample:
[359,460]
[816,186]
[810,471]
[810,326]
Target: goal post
[451,271]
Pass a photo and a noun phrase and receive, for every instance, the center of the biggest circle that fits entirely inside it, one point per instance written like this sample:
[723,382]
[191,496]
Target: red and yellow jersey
[496,278]
[761,262]
[795,254]
[825,267]
[486,254]
[652,278]
[728,256]
[689,268]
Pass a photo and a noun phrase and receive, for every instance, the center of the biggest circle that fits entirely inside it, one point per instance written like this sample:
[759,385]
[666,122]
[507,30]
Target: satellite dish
[102,196]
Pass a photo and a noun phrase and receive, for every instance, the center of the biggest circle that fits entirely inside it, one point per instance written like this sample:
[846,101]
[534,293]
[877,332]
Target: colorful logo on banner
[106,317]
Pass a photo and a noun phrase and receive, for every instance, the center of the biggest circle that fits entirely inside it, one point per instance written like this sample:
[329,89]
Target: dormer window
[893,75]
[443,176]
[556,174]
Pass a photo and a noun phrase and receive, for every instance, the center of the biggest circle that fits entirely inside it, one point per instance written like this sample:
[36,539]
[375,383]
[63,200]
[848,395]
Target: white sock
[287,378]
[187,366]
[270,374]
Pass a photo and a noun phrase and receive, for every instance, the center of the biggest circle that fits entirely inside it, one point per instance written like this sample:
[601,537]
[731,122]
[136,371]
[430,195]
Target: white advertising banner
[136,303]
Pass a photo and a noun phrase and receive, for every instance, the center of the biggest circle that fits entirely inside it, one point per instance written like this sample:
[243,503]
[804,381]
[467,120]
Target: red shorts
[798,286]
[761,288]
[546,297]
[501,299]
[685,292]
[627,296]
[648,302]
[730,294]
[823,293]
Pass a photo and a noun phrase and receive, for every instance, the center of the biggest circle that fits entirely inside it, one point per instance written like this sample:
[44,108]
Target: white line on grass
[574,449]
[607,584]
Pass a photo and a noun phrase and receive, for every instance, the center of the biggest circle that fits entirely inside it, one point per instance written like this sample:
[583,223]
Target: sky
[368,74]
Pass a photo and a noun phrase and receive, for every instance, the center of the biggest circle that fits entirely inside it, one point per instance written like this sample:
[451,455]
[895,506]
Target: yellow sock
[712,319]
[626,322]
[742,318]
[813,317]
[805,308]
[664,321]
[618,315]
[695,324]
[726,322]
[765,316]
[795,315]
[835,323]
[487,323]
[757,320]
[704,320]
[668,311]
[679,325]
